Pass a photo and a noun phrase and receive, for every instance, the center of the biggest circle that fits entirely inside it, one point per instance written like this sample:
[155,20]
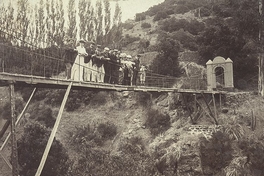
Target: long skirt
[77,69]
[88,70]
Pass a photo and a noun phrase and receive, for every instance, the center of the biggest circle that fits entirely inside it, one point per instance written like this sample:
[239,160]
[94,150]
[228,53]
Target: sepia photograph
[131,87]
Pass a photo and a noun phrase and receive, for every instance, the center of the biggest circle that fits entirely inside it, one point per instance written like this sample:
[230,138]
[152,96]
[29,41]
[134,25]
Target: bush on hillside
[157,122]
[140,16]
[99,99]
[215,152]
[128,26]
[254,151]
[173,24]
[195,27]
[6,109]
[144,99]
[129,39]
[107,130]
[43,114]
[145,25]
[160,15]
[166,62]
[30,150]
[181,9]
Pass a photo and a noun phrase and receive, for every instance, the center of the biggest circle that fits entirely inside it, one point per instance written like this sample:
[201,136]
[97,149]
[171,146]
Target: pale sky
[129,7]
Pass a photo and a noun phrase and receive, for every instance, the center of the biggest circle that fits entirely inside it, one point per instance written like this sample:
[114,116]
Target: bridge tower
[227,66]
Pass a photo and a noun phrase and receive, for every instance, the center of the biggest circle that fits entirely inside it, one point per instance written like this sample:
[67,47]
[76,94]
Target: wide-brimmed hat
[81,41]
[106,49]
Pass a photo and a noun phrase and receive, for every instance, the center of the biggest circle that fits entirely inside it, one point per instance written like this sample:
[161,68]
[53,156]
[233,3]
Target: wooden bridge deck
[57,83]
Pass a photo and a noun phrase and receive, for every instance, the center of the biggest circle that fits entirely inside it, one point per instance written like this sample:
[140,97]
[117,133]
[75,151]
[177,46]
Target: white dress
[78,66]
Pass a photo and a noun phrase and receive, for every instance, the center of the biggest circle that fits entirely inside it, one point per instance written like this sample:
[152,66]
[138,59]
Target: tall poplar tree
[116,30]
[22,21]
[40,24]
[72,29]
[88,20]
[59,24]
[107,20]
[82,10]
[99,21]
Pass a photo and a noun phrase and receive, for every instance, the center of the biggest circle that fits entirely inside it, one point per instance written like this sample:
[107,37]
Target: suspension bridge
[23,64]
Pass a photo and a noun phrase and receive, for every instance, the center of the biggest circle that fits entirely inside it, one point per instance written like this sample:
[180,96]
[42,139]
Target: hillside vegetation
[206,27]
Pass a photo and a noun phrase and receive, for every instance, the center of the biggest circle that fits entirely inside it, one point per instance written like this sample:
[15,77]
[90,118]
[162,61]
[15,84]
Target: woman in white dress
[78,66]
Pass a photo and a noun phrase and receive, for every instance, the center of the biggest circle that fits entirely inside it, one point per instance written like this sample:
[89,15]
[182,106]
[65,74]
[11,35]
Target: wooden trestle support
[197,113]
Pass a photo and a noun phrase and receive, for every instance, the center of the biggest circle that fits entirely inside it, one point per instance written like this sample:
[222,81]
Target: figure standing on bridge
[142,72]
[69,54]
[77,69]
[89,70]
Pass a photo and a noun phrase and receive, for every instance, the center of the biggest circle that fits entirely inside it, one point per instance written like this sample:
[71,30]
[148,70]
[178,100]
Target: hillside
[198,31]
[158,133]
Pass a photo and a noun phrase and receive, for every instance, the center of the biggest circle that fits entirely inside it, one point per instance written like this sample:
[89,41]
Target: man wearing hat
[78,66]
[107,65]
[136,69]
[89,71]
[69,55]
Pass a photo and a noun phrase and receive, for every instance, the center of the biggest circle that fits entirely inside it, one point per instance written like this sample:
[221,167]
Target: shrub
[146,25]
[129,39]
[30,150]
[72,104]
[6,109]
[99,99]
[157,122]
[43,114]
[127,26]
[140,16]
[107,130]
[143,99]
[181,9]
[216,152]
[160,15]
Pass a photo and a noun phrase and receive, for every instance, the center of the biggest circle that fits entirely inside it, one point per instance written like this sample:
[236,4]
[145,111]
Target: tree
[82,10]
[71,32]
[40,24]
[22,20]
[31,147]
[107,21]
[99,21]
[166,62]
[59,24]
[116,30]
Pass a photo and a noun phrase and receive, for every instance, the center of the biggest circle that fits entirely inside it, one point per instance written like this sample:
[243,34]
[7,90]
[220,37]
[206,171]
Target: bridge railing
[49,63]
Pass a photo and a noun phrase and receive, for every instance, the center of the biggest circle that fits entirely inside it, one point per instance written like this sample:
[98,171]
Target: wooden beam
[19,117]
[6,161]
[208,114]
[188,109]
[210,111]
[5,127]
[53,132]
[215,111]
[14,157]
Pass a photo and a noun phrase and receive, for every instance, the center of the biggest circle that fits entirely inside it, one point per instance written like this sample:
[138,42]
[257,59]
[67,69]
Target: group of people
[95,64]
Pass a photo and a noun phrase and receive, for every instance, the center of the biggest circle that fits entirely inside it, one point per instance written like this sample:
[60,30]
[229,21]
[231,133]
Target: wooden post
[220,101]
[53,132]
[188,109]
[195,104]
[14,157]
[215,111]
[210,111]
[261,52]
